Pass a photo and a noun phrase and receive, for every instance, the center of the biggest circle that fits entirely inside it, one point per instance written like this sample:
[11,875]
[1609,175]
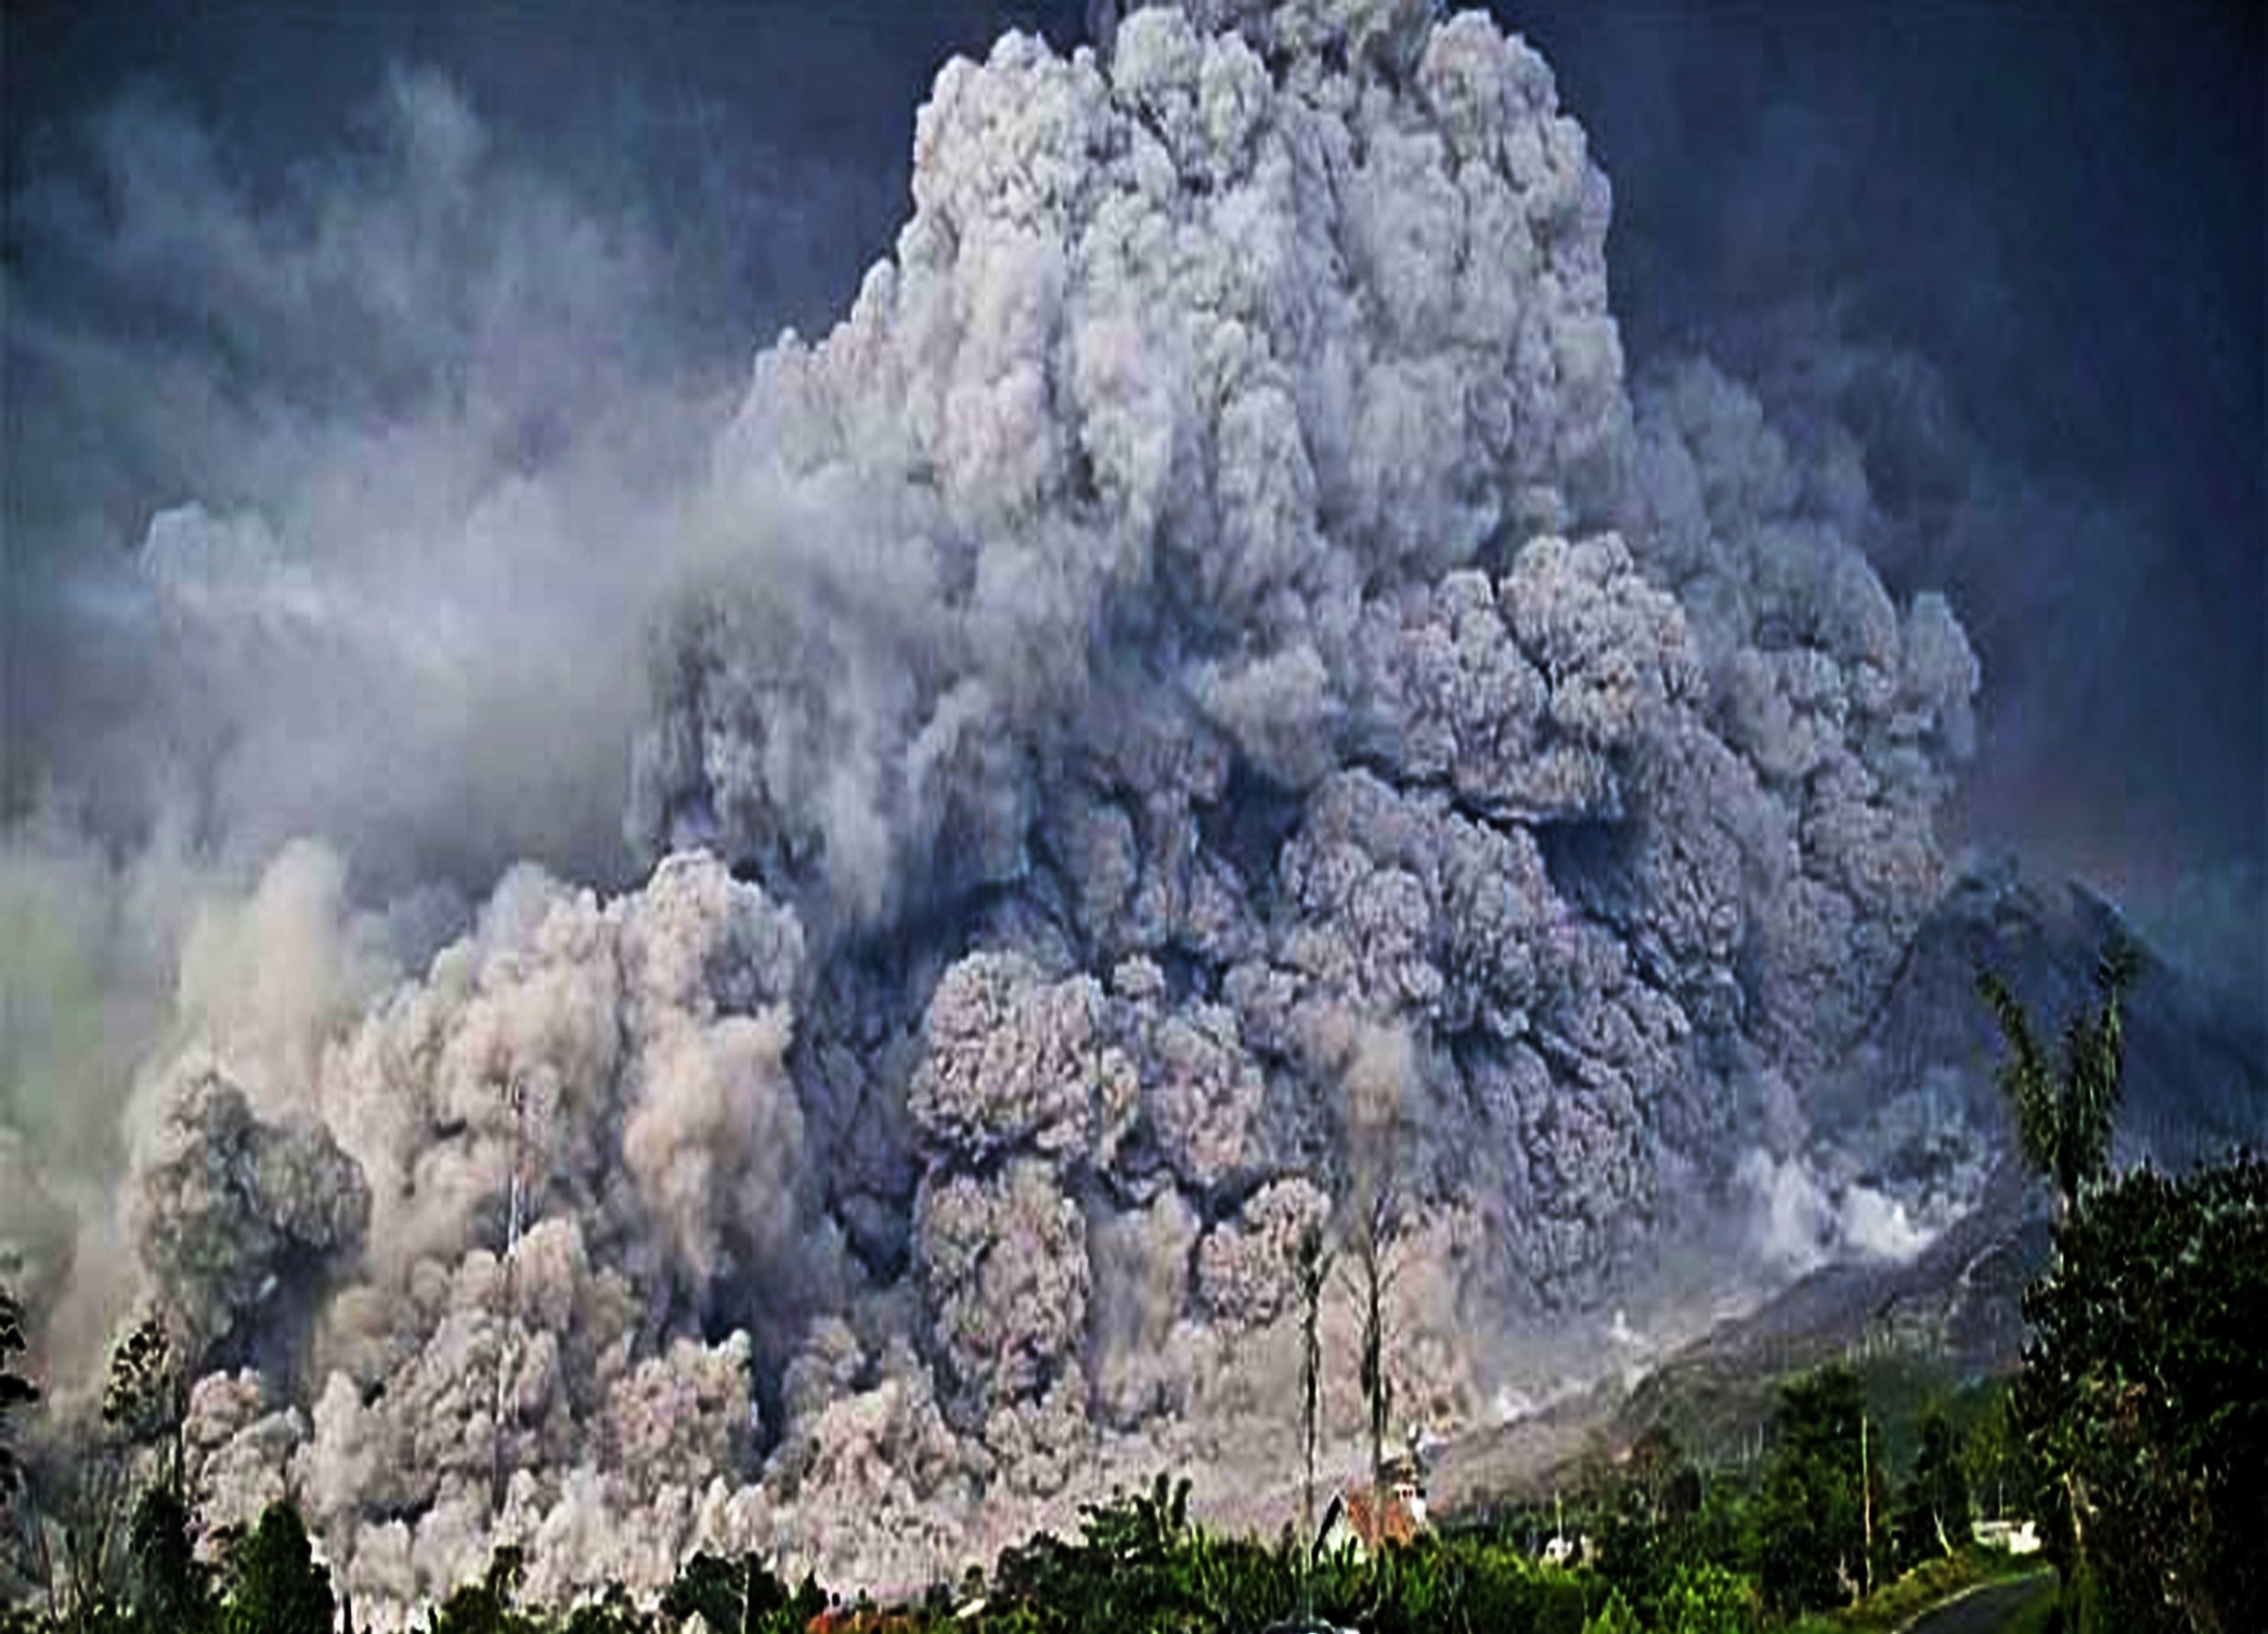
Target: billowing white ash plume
[1170,572]
[626,1063]
[1215,695]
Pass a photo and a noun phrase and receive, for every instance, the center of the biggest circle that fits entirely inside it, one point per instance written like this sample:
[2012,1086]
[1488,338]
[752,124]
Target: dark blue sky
[2054,213]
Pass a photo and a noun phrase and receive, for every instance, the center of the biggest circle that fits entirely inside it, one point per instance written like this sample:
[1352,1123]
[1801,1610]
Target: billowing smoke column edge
[1207,657]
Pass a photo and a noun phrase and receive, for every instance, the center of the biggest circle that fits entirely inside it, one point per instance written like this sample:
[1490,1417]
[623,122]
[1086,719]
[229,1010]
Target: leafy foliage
[137,1399]
[738,1597]
[2143,1397]
[1933,1511]
[1655,1521]
[1810,1518]
[278,1588]
[487,1606]
[170,1587]
[2144,1393]
[146,1398]
[1613,1617]
[1707,1598]
[612,1612]
[1996,1462]
[1141,1567]
[2063,1116]
[1672,1560]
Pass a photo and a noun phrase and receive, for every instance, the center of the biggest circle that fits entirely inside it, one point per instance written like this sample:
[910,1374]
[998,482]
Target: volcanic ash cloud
[1207,682]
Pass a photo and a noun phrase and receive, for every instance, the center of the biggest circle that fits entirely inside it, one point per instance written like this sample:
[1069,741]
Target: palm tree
[2064,1112]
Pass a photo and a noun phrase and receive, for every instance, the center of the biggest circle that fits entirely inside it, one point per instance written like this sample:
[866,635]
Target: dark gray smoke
[2020,259]
[1212,689]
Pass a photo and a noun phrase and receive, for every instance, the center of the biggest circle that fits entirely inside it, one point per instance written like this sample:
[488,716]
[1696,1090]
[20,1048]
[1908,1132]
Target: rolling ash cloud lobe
[2025,261]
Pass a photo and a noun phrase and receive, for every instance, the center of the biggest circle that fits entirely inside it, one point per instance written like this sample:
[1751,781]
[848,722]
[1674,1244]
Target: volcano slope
[2196,1087]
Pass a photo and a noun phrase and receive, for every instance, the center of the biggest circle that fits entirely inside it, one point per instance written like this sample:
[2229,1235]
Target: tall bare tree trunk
[1866,1502]
[1371,1224]
[1314,1268]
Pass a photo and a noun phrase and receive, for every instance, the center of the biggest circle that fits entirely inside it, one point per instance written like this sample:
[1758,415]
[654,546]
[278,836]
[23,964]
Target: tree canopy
[1810,1514]
[280,1589]
[2145,1395]
[1933,1512]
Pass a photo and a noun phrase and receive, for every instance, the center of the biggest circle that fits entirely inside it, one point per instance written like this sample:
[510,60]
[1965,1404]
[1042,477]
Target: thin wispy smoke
[407,451]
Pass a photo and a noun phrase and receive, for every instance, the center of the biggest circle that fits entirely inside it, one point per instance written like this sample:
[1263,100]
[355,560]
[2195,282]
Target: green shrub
[278,1588]
[2145,1391]
[1613,1617]
[1704,1598]
[1808,1521]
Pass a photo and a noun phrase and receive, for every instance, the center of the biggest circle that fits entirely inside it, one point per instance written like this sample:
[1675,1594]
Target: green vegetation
[2142,1403]
[278,1588]
[1898,1603]
[2041,1615]
[1934,1514]
[2145,1398]
[165,1580]
[1816,1518]
[2063,1116]
[145,1401]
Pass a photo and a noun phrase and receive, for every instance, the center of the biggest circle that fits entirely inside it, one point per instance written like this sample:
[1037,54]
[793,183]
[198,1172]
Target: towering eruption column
[1208,644]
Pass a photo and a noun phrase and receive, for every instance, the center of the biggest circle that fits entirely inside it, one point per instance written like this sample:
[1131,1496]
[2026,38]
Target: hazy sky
[2024,241]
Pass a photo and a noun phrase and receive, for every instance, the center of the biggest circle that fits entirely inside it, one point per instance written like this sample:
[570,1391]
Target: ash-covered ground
[1211,692]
